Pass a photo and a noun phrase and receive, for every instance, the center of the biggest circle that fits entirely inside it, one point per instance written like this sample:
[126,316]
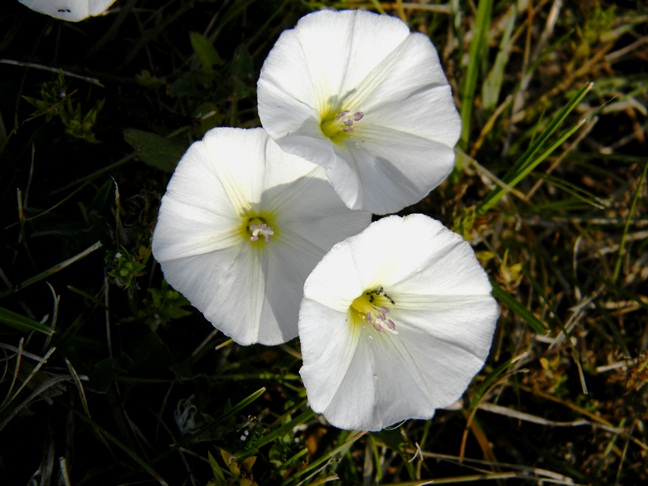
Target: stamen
[342,123]
[261,229]
[341,114]
[373,308]
[347,120]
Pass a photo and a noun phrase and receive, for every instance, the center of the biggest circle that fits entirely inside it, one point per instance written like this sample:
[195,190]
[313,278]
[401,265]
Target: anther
[374,308]
[348,119]
[261,229]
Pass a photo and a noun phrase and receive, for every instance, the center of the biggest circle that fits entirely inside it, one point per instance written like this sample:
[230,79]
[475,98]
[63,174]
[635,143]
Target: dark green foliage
[108,376]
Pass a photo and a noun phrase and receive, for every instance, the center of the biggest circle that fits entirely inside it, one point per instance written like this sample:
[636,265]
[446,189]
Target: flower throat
[338,125]
[374,307]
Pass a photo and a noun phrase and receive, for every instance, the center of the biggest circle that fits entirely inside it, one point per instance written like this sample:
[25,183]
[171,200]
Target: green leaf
[155,150]
[205,52]
[22,323]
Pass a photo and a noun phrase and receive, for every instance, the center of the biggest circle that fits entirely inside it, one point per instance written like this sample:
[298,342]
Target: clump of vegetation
[110,377]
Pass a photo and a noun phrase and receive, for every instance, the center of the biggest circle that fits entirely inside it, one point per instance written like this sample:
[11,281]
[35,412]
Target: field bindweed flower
[241,226]
[395,323]
[362,96]
[69,10]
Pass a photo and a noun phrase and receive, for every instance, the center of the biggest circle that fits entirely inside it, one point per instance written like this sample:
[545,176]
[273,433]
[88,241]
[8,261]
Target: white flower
[394,324]
[70,10]
[362,96]
[241,226]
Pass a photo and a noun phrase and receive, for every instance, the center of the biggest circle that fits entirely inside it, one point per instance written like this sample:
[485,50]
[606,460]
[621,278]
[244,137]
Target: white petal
[445,263]
[443,313]
[465,325]
[251,293]
[343,48]
[411,69]
[69,10]
[330,344]
[427,113]
[201,210]
[97,7]
[355,60]
[360,383]
[228,288]
[326,53]
[324,57]
[309,209]
[338,278]
[237,158]
[372,253]
[394,170]
[184,230]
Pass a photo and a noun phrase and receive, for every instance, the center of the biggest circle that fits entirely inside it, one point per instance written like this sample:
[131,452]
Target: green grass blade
[577,192]
[280,432]
[52,270]
[314,467]
[478,45]
[378,7]
[527,157]
[530,160]
[528,168]
[491,378]
[519,309]
[626,229]
[493,82]
[22,323]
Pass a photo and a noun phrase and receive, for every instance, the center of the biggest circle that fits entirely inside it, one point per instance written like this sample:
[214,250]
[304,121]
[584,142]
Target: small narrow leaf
[155,150]
[205,52]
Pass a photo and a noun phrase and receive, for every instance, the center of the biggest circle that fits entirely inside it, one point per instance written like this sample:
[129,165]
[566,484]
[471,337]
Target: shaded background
[135,387]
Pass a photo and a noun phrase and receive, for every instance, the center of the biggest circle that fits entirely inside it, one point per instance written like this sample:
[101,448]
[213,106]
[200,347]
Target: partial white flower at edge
[241,226]
[395,323]
[362,96]
[69,10]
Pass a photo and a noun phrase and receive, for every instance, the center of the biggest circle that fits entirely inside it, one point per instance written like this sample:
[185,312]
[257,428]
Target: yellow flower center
[373,307]
[259,228]
[339,124]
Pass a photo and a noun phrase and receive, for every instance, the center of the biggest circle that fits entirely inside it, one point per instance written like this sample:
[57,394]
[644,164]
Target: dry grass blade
[527,417]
